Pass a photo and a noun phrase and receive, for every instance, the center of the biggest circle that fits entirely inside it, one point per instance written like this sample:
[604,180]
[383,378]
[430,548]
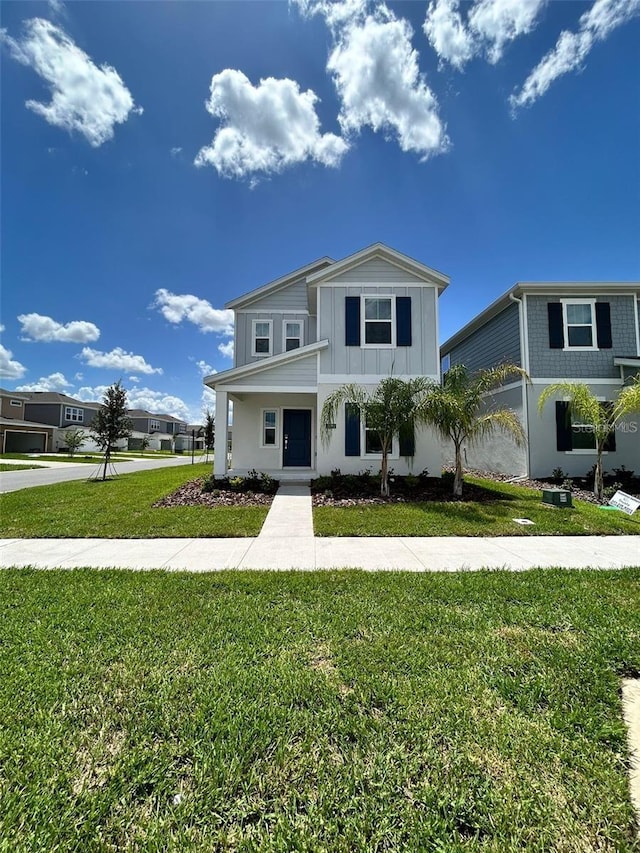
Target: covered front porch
[274,433]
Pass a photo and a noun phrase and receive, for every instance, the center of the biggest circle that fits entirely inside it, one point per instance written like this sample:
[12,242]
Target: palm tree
[602,419]
[389,410]
[455,410]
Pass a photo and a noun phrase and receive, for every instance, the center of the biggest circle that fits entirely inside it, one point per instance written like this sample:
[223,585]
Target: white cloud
[53,382]
[176,307]
[10,369]
[490,25]
[36,327]
[447,34]
[572,48]
[265,128]
[117,359]
[204,368]
[375,71]
[133,379]
[91,394]
[157,402]
[226,349]
[79,377]
[176,151]
[1,327]
[85,97]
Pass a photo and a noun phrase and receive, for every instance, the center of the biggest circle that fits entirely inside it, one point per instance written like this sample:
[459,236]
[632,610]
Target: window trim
[445,364]
[255,354]
[154,425]
[68,416]
[16,403]
[394,453]
[285,337]
[363,321]
[584,451]
[276,428]
[566,325]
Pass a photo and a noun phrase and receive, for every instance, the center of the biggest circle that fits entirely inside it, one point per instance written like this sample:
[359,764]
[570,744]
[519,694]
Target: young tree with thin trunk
[602,419]
[456,409]
[111,422]
[390,410]
[73,439]
[209,431]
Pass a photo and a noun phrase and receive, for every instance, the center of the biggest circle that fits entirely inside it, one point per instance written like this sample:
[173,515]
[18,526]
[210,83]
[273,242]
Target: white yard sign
[627,503]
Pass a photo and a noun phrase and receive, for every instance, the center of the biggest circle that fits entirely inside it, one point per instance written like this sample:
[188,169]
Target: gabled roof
[380,250]
[538,288]
[279,283]
[143,413]
[253,367]
[56,397]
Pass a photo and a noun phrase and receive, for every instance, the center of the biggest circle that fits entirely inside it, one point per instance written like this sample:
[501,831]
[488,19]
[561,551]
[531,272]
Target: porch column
[220,438]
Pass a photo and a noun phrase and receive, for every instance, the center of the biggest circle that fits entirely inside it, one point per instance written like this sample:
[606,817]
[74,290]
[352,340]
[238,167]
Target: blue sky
[161,158]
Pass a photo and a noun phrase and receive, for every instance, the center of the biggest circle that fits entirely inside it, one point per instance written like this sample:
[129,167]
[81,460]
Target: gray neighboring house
[158,429]
[63,413]
[17,434]
[559,332]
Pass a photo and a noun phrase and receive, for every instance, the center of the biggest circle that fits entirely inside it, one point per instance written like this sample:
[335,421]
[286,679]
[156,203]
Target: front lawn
[490,517]
[122,508]
[7,466]
[336,711]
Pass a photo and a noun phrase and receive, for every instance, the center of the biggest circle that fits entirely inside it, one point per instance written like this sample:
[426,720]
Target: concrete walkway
[286,541]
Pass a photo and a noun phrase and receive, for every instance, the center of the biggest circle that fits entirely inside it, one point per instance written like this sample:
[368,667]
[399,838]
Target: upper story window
[445,364]
[292,335]
[15,402]
[378,326]
[579,324]
[154,425]
[262,337]
[73,414]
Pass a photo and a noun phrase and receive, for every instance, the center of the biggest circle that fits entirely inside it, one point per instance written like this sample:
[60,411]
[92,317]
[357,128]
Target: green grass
[122,508]
[494,518]
[5,466]
[337,711]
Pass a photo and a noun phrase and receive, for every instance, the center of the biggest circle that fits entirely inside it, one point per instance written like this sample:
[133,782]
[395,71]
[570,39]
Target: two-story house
[62,412]
[370,315]
[18,435]
[159,430]
[558,332]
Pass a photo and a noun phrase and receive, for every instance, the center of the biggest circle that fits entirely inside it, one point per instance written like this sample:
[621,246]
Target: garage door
[24,442]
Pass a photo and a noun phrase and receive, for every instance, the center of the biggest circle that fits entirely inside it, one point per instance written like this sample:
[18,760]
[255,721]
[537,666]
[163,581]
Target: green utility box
[556,497]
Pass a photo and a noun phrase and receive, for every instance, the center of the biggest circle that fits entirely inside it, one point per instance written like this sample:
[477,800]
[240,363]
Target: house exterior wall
[548,363]
[140,424]
[419,359]
[377,270]
[9,411]
[289,298]
[302,371]
[43,413]
[244,332]
[497,342]
[543,452]
[331,455]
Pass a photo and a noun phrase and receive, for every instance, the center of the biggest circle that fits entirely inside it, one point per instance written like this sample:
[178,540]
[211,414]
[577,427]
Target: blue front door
[296,429]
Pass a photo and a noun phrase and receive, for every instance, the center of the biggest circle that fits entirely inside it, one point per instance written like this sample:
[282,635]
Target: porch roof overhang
[246,371]
[627,361]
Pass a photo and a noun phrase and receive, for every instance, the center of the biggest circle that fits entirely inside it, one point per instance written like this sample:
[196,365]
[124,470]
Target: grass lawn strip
[466,518]
[7,466]
[338,711]
[122,508]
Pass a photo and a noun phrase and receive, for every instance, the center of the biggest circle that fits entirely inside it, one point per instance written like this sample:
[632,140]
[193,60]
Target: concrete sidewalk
[515,553]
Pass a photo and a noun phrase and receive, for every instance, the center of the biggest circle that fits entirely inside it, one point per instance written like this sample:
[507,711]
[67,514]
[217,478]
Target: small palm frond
[503,420]
[487,380]
[351,393]
[628,401]
[583,403]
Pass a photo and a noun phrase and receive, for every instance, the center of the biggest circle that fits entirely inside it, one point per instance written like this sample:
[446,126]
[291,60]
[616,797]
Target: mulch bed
[431,489]
[191,494]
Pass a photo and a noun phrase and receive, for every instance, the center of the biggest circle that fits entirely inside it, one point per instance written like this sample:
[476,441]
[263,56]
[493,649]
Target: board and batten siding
[293,297]
[244,325]
[548,363]
[419,359]
[497,342]
[301,372]
[378,271]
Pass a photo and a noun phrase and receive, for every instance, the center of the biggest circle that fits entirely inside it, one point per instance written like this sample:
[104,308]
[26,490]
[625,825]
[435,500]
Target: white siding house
[368,316]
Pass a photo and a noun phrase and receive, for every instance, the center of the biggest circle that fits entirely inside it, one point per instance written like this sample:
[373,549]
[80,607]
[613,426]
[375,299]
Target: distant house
[61,412]
[370,315]
[17,434]
[559,332]
[159,430]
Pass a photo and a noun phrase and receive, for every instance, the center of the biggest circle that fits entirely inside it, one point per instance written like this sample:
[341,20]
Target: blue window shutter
[351,430]
[556,332]
[563,426]
[603,325]
[352,321]
[403,321]
[407,442]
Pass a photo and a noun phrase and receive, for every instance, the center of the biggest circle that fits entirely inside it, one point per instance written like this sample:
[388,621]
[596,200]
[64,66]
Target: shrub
[558,474]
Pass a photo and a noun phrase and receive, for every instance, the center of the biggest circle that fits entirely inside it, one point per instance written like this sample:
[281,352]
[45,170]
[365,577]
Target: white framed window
[292,335]
[269,429]
[445,364]
[583,437]
[154,426]
[372,445]
[579,320]
[15,402]
[73,414]
[378,321]
[261,337]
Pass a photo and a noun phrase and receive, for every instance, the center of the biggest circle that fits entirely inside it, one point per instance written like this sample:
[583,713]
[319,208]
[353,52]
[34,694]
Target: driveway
[59,472]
